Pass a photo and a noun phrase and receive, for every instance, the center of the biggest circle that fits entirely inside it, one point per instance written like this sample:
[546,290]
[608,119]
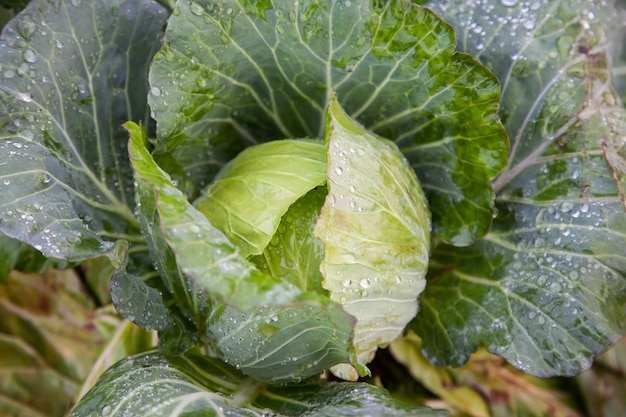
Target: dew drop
[509,3]
[365,283]
[155,91]
[196,9]
[29,56]
[25,97]
[339,170]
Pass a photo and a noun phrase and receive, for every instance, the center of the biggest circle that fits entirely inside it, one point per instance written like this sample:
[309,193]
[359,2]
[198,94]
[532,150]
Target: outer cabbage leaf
[546,288]
[283,343]
[195,385]
[70,74]
[375,226]
[251,194]
[185,301]
[284,334]
[233,73]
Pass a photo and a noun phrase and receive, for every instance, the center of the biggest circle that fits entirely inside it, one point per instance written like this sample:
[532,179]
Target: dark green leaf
[250,195]
[235,73]
[71,74]
[185,301]
[139,303]
[546,288]
[283,344]
[154,384]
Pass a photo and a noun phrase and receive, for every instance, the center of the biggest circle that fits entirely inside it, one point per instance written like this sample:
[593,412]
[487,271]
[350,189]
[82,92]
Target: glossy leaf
[202,251]
[294,253]
[284,334]
[545,289]
[284,343]
[375,226]
[139,303]
[71,74]
[184,300]
[194,385]
[250,195]
[235,73]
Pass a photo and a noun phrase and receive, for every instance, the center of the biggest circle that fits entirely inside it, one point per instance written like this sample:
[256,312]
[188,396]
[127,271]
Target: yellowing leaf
[375,226]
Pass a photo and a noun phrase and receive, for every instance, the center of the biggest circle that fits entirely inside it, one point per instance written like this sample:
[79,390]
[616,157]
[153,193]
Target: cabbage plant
[283,188]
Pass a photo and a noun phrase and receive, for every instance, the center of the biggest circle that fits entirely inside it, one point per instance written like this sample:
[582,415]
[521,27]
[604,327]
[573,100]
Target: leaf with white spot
[375,226]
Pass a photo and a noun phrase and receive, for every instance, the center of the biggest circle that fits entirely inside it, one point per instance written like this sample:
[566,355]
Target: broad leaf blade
[375,226]
[250,195]
[202,251]
[233,73]
[285,343]
[71,75]
[545,289]
[194,385]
